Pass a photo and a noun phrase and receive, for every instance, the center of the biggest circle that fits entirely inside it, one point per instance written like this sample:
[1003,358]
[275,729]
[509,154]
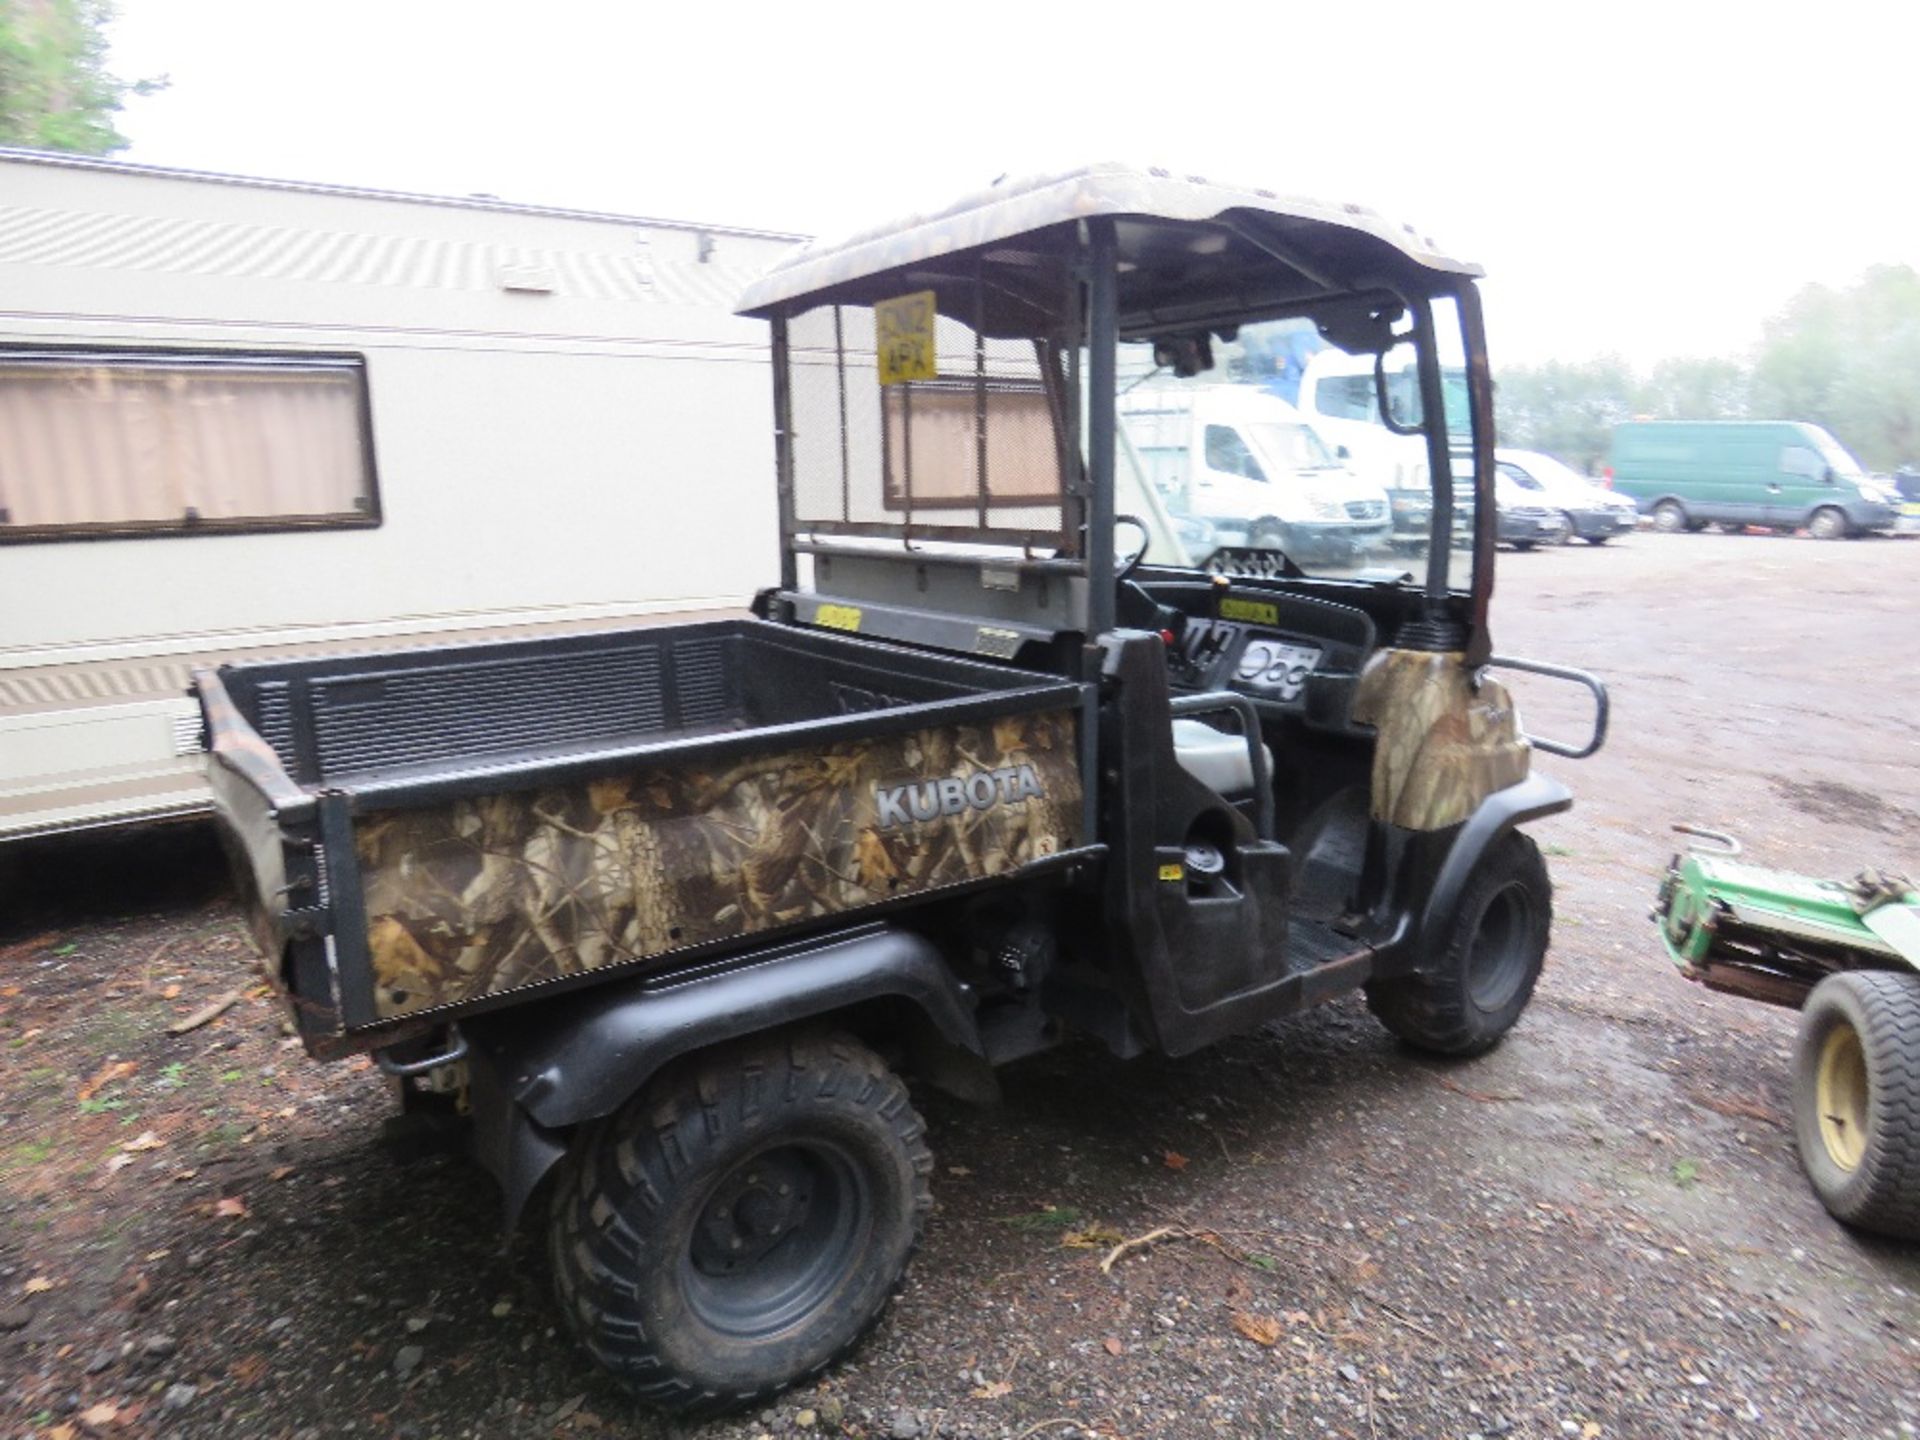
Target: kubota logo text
[931,799]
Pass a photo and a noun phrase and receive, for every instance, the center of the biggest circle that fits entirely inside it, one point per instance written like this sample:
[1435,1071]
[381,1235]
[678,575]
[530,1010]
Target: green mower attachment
[1846,954]
[1773,935]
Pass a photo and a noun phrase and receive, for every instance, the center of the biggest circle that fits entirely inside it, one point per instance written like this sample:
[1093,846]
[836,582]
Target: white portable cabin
[244,417]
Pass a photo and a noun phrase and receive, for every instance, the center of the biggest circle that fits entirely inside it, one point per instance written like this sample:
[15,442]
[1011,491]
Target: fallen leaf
[1174,1160]
[280,1172]
[11,991]
[105,1413]
[1591,1431]
[62,1432]
[105,1076]
[993,1390]
[158,1254]
[145,1140]
[1094,1237]
[180,1175]
[38,1285]
[119,1162]
[1112,1345]
[232,1207]
[1261,1329]
[248,1368]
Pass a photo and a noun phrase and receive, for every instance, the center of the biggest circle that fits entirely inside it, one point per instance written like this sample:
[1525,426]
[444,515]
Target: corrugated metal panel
[145,244]
[484,203]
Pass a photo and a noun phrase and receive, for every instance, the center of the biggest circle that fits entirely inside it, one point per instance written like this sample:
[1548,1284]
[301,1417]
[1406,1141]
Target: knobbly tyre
[665,912]
[1846,955]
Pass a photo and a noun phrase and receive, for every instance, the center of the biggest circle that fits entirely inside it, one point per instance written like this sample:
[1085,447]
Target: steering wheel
[1146,544]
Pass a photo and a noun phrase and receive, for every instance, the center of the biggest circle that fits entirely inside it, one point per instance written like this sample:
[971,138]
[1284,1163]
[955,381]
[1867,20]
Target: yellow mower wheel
[1856,1098]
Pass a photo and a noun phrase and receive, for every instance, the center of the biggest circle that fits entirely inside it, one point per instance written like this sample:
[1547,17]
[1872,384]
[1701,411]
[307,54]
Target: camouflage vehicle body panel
[613,804]
[501,892]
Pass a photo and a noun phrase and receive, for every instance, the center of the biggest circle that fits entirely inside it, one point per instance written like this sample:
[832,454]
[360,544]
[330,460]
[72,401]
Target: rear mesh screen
[973,453]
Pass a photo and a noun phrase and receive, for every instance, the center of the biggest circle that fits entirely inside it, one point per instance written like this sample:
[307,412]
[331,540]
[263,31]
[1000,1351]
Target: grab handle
[1601,705]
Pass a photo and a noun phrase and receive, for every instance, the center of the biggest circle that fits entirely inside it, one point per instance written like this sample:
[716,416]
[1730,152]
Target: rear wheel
[1474,991]
[741,1222]
[1566,531]
[1856,1099]
[1828,524]
[1596,539]
[1669,517]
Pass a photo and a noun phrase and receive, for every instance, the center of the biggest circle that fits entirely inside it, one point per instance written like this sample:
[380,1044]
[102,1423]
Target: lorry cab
[1240,467]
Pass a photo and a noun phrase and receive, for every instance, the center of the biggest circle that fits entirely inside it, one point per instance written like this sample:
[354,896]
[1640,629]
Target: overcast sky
[1651,179]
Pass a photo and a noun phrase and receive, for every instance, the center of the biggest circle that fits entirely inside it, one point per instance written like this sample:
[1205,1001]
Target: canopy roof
[1190,250]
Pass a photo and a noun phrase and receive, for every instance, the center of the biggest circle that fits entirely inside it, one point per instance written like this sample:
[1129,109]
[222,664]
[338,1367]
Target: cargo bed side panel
[494,893]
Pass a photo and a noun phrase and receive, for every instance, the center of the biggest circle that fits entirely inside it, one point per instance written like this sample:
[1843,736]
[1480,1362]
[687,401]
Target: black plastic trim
[584,1056]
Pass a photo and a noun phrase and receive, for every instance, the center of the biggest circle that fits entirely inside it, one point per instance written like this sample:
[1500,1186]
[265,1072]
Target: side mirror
[1341,452]
[1829,477]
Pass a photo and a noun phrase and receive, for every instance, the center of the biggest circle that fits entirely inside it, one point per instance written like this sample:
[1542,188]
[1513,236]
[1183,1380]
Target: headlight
[1873,493]
[1324,509]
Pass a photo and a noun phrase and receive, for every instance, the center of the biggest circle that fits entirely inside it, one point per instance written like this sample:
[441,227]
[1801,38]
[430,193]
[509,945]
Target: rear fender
[579,1058]
[1492,820]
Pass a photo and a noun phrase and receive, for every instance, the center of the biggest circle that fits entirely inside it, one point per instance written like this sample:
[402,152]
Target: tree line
[1845,359]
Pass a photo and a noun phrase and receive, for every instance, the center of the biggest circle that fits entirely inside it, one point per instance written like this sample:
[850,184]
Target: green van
[1782,473]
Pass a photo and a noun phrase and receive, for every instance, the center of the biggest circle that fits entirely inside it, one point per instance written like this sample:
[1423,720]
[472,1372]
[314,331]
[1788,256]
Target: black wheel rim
[775,1236]
[1498,957]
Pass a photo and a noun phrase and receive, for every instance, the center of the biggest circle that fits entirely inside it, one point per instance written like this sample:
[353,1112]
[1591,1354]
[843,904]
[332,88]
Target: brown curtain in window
[98,443]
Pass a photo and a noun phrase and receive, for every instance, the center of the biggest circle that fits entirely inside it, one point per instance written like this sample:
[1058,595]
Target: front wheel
[1828,524]
[742,1222]
[1669,517]
[1596,539]
[1856,1099]
[1471,994]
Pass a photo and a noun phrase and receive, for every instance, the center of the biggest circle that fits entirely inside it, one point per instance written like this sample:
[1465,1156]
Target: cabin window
[1346,397]
[102,443]
[1227,452]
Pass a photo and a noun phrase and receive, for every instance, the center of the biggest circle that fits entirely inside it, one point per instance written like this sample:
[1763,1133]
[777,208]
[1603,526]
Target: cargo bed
[426,833]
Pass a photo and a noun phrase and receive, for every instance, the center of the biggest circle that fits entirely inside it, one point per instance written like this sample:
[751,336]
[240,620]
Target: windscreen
[1280,451]
[908,423]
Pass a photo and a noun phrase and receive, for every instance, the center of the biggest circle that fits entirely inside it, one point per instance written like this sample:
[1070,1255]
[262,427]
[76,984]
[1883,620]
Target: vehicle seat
[1218,759]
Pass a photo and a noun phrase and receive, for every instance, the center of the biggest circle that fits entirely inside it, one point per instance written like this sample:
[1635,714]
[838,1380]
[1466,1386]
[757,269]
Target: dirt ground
[1598,1230]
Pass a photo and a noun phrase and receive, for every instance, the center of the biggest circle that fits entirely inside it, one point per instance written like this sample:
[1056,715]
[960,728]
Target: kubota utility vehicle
[663,911]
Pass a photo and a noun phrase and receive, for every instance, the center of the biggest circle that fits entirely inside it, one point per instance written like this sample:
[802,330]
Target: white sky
[1651,179]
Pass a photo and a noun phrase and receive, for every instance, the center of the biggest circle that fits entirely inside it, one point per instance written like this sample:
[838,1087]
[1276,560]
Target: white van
[1236,466]
[244,418]
[1338,397]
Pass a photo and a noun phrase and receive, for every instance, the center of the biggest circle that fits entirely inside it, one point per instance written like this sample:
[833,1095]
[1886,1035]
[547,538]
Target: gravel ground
[1598,1230]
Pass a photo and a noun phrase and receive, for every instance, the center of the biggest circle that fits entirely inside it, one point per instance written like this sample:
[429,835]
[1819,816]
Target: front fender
[1504,810]
[582,1056]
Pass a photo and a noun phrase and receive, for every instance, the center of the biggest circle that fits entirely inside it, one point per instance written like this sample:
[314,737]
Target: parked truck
[666,912]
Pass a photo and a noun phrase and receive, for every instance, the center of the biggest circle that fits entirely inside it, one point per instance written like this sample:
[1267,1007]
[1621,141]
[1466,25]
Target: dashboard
[1289,652]
[1276,665]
